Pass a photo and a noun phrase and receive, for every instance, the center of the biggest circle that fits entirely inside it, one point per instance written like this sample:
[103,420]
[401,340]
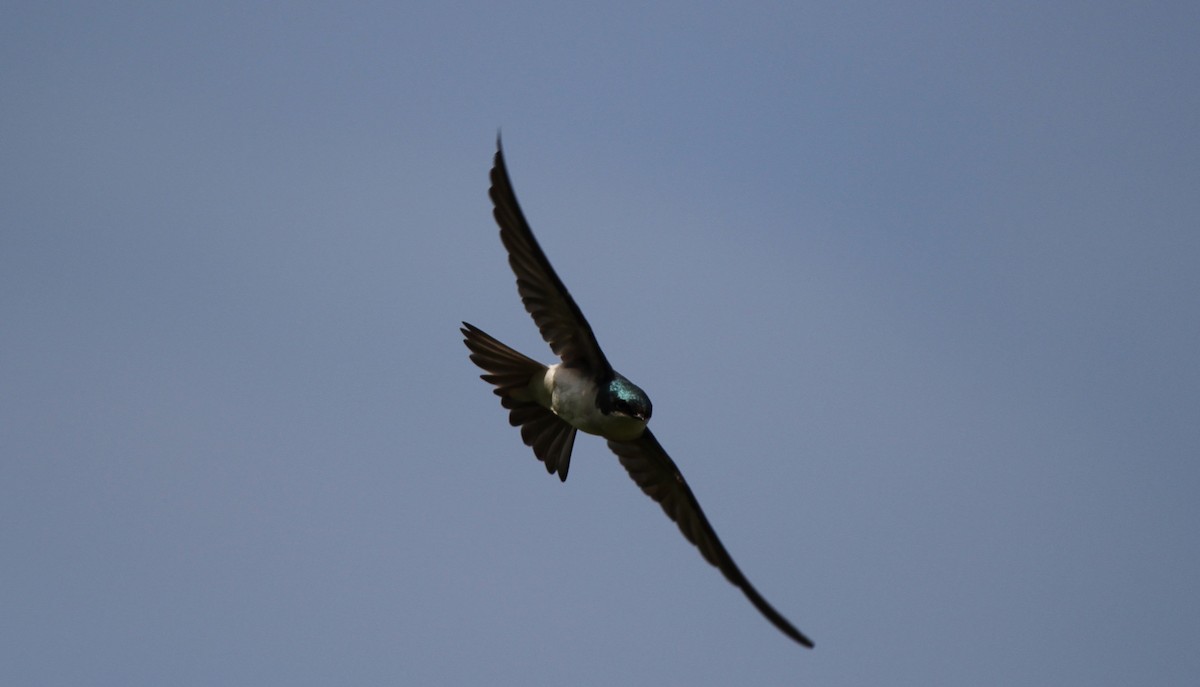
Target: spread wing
[654,471]
[554,311]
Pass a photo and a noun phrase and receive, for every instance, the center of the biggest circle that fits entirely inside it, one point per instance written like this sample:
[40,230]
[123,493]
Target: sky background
[914,287]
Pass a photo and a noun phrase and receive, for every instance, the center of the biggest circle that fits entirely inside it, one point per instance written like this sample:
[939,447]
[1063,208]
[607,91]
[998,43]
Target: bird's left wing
[654,471]
[545,297]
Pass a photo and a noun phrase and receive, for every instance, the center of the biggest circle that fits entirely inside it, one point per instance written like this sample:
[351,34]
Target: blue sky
[913,288]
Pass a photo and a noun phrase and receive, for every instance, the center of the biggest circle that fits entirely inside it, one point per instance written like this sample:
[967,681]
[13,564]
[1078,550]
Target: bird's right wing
[654,471]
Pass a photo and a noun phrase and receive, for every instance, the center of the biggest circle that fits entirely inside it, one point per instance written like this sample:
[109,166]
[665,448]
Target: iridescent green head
[623,397]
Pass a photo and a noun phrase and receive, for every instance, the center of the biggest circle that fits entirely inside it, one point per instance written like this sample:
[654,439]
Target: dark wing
[654,471]
[547,300]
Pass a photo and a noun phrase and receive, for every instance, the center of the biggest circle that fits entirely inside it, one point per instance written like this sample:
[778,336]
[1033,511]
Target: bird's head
[623,397]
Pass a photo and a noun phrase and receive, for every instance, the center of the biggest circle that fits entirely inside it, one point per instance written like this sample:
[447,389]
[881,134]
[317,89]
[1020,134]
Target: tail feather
[509,371]
[551,438]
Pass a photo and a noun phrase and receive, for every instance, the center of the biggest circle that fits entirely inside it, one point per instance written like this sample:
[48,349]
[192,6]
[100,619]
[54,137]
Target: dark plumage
[544,401]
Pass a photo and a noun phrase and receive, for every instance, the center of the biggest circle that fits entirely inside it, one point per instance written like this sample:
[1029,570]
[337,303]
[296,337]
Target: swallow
[551,403]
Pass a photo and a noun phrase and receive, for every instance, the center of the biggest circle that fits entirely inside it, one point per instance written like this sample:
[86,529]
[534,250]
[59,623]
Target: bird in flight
[584,393]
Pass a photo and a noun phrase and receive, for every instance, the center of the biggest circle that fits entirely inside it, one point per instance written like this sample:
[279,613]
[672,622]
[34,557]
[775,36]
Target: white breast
[572,396]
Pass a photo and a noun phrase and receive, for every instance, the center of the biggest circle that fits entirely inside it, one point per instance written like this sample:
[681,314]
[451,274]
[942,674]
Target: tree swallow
[584,393]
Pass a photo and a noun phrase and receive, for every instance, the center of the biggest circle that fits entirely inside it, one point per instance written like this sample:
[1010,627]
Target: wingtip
[790,630]
[498,164]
